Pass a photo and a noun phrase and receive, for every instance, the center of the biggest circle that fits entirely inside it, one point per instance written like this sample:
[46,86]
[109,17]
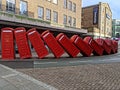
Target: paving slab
[10,87]
[3,83]
[13,80]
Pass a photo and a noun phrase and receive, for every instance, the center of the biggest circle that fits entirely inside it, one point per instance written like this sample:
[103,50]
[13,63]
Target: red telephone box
[85,49]
[97,49]
[22,43]
[115,43]
[52,44]
[70,48]
[7,44]
[37,43]
[101,42]
[110,44]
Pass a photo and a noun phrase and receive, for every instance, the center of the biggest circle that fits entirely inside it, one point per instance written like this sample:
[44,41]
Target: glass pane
[70,20]
[70,5]
[65,3]
[40,12]
[74,7]
[12,1]
[55,16]
[74,21]
[10,5]
[23,7]
[48,14]
[65,20]
[55,1]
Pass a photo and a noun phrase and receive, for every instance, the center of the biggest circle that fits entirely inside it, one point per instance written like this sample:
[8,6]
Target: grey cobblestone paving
[83,77]
[14,80]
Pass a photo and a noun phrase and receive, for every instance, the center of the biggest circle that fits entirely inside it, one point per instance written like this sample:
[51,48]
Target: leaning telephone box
[101,42]
[37,43]
[85,49]
[22,43]
[65,42]
[97,49]
[115,43]
[110,44]
[7,44]
[52,43]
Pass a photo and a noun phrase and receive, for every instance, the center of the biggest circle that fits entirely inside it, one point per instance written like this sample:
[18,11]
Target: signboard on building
[107,15]
[95,15]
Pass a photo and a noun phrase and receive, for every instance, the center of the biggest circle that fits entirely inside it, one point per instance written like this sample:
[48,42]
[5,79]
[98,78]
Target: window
[74,22]
[10,5]
[102,28]
[55,1]
[117,29]
[70,5]
[48,14]
[65,19]
[117,22]
[70,20]
[65,3]
[40,12]
[74,7]
[103,9]
[23,8]
[55,16]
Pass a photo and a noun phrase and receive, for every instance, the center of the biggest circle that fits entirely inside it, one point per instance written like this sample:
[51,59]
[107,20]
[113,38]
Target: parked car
[114,38]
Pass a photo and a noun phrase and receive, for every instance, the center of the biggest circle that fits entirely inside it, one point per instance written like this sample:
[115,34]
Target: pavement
[91,73]
[81,77]
[13,80]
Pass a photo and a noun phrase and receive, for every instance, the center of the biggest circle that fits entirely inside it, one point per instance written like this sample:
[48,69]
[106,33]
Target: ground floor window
[10,5]
[48,14]
[55,16]
[70,21]
[74,22]
[40,12]
[65,19]
[23,8]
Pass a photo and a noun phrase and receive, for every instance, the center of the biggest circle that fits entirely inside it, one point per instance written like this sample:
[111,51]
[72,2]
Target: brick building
[56,15]
[98,20]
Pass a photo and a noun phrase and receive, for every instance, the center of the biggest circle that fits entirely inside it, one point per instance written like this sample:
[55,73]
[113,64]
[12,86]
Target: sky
[114,5]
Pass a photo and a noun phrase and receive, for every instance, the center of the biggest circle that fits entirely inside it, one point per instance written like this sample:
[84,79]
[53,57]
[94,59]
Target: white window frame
[24,9]
[40,12]
[12,2]
[48,14]
[65,3]
[74,7]
[70,5]
[55,1]
[65,19]
[74,22]
[55,16]
[70,20]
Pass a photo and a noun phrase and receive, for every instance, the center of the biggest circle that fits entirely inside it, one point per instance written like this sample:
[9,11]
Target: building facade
[59,13]
[116,28]
[54,15]
[98,20]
